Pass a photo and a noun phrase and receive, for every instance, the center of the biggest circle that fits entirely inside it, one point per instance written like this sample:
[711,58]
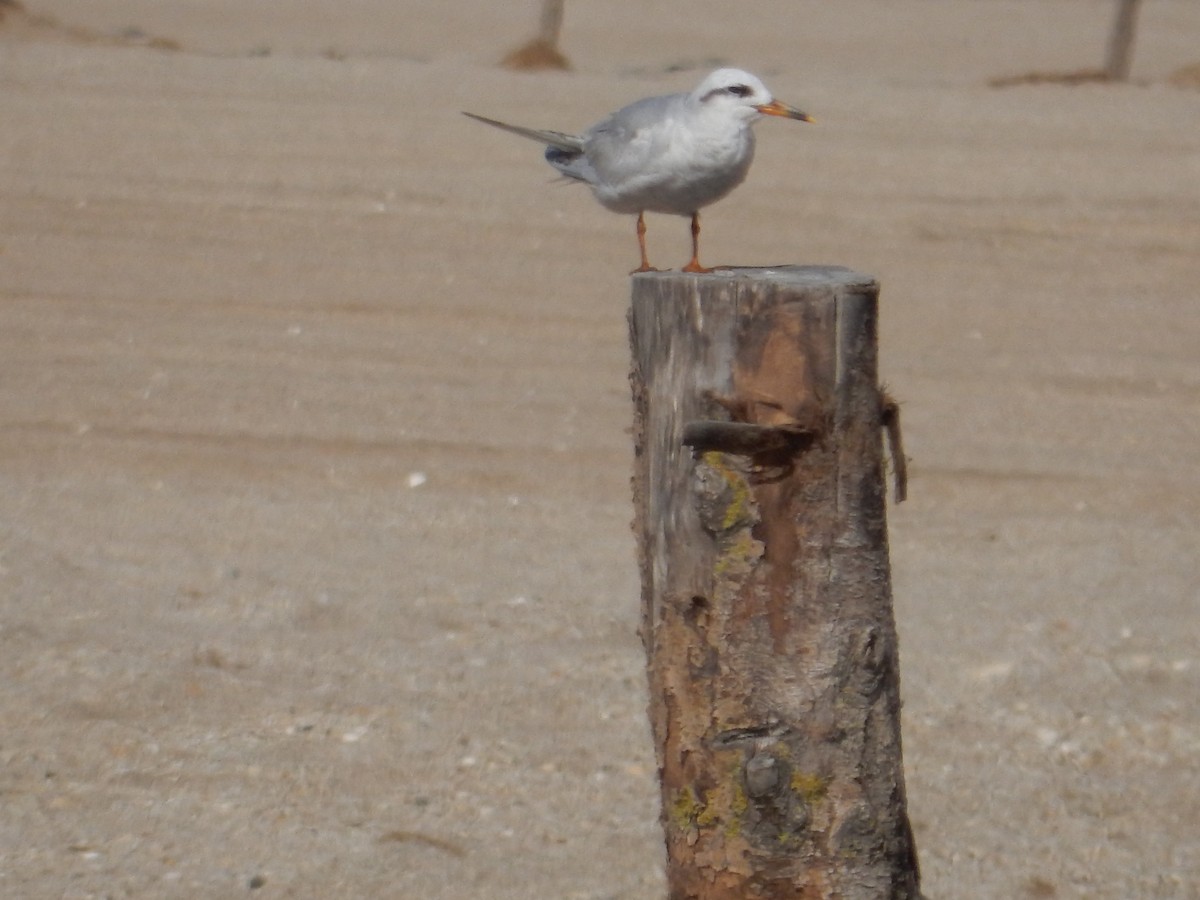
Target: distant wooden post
[542,51]
[766,589]
[1120,41]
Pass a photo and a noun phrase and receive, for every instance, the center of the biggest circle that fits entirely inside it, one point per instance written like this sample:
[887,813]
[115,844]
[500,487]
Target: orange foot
[695,267]
[644,268]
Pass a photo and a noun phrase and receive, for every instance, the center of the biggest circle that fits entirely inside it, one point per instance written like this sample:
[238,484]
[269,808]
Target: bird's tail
[568,142]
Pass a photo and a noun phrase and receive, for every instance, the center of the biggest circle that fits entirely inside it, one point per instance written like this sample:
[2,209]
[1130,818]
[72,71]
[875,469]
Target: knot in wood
[762,775]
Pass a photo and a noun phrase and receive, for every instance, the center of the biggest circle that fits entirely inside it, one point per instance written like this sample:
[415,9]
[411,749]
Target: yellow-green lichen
[738,804]
[811,787]
[740,507]
[724,803]
[707,817]
[685,809]
[736,557]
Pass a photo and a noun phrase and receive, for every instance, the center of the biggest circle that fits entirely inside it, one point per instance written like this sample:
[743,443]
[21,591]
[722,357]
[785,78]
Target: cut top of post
[792,276]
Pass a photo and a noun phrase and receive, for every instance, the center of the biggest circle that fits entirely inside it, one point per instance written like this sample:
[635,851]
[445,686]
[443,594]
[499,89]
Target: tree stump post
[766,588]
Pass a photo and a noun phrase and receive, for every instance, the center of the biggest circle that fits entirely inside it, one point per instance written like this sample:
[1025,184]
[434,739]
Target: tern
[672,154]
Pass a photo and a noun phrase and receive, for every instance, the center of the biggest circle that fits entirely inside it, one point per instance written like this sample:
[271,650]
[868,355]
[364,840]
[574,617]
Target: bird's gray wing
[631,138]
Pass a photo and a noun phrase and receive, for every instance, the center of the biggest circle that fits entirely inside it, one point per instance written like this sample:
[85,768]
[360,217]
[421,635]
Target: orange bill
[776,108]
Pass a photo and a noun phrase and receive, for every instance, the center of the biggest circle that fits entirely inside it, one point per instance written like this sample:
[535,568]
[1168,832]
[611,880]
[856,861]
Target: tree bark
[766,591]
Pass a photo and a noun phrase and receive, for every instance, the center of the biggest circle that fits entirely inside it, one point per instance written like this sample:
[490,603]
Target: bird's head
[743,96]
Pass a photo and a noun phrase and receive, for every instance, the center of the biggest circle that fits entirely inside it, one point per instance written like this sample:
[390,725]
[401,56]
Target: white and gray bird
[672,154]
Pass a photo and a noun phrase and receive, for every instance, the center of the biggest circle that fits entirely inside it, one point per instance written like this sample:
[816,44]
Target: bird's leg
[641,233]
[694,264]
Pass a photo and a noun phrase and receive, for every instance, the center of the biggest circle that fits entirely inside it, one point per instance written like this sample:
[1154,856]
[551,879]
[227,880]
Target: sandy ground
[316,577]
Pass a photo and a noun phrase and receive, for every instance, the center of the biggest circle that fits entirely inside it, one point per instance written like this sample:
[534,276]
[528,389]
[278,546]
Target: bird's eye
[739,90]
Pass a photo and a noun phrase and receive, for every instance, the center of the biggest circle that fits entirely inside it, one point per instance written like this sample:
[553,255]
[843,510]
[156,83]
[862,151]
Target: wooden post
[766,590]
[542,52]
[1119,59]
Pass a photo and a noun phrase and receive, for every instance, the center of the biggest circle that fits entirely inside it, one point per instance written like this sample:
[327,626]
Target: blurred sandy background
[316,577]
